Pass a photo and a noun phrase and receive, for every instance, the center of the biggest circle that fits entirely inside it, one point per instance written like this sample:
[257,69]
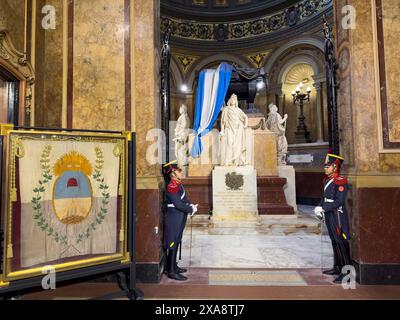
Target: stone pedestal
[290,187]
[235,195]
[271,198]
[265,158]
[264,155]
[203,166]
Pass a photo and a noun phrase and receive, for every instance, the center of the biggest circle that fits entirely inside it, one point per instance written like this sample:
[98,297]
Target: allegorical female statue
[233,138]
[181,136]
[276,124]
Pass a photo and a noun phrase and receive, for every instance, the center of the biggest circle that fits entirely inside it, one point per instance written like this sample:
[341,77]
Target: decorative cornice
[231,31]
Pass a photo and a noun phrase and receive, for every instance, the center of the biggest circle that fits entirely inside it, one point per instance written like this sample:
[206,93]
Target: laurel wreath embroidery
[38,215]
[39,190]
[97,176]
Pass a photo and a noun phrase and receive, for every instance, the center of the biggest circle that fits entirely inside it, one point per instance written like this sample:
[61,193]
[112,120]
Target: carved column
[149,184]
[318,85]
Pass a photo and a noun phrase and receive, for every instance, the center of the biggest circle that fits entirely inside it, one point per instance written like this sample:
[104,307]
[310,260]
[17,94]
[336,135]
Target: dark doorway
[9,97]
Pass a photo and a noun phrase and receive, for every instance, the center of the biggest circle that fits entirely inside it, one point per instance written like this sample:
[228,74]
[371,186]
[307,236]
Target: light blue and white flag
[211,92]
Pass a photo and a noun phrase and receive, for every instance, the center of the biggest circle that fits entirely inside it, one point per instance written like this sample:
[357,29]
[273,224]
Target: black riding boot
[166,262]
[171,261]
[345,254]
[177,268]
[347,257]
[336,262]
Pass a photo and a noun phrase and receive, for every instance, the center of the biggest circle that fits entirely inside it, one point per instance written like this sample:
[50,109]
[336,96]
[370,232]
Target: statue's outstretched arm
[282,121]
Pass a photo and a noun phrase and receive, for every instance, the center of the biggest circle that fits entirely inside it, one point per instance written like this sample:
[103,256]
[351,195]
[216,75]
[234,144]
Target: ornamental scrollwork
[208,31]
[16,61]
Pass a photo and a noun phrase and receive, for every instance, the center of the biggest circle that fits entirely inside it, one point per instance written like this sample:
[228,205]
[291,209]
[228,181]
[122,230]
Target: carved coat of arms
[234,181]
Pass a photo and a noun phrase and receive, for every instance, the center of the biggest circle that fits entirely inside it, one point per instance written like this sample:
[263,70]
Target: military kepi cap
[332,158]
[167,168]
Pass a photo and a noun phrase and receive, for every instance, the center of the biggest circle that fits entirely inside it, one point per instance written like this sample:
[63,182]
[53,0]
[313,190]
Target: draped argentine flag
[211,92]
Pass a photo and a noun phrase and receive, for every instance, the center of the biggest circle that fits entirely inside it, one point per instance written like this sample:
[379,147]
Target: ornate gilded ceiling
[221,10]
[193,32]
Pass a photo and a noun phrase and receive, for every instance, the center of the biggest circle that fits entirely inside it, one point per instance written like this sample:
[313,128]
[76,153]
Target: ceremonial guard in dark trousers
[332,208]
[177,208]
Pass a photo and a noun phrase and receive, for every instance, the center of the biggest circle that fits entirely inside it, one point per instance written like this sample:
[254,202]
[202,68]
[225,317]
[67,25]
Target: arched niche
[17,74]
[307,41]
[299,70]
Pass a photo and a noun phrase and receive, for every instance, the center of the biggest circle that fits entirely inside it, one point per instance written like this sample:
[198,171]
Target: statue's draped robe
[233,143]
[181,134]
[274,124]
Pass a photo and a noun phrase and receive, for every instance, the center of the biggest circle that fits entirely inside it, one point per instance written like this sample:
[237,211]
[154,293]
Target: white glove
[194,209]
[319,212]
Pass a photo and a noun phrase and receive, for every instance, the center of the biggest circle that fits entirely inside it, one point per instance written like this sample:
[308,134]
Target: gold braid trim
[17,151]
[119,152]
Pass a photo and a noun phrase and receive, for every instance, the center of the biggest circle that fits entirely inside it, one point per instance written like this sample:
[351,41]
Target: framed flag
[64,201]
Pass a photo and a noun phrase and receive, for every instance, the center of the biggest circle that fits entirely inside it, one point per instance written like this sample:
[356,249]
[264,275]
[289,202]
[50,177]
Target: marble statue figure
[276,124]
[181,136]
[233,136]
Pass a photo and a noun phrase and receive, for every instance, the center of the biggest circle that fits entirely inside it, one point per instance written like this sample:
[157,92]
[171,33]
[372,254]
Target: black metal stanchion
[135,294]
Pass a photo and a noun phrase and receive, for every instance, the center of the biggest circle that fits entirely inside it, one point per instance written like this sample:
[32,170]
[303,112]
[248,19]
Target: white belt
[171,205]
[329,200]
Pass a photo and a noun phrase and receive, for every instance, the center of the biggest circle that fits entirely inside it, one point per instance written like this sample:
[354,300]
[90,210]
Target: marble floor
[302,284]
[257,250]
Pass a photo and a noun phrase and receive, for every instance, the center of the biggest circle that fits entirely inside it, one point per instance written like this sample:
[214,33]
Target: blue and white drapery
[211,92]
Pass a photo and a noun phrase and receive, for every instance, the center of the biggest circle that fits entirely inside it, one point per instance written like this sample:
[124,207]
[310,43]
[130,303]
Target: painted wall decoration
[66,201]
[389,75]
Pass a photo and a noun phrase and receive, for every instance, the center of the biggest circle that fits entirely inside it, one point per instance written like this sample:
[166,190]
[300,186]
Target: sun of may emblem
[234,181]
[72,193]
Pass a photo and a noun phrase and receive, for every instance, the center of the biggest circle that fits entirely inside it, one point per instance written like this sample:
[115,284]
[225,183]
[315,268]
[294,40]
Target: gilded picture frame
[74,214]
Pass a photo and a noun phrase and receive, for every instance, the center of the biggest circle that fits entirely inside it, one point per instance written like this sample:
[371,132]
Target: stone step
[232,231]
[267,225]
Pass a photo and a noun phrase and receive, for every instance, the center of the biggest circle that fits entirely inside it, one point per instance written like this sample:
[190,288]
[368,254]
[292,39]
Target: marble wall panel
[391,25]
[148,240]
[363,95]
[12,18]
[49,68]
[98,65]
[146,71]
[345,111]
[379,225]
